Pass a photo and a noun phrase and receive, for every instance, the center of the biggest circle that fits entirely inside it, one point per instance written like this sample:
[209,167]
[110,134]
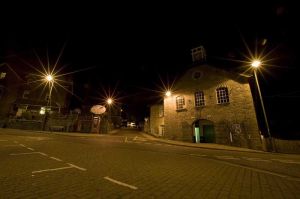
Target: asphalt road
[128,165]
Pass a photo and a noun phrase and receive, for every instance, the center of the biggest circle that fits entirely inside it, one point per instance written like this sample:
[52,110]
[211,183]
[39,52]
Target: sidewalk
[200,145]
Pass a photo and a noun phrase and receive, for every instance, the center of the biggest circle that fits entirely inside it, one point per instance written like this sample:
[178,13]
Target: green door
[209,133]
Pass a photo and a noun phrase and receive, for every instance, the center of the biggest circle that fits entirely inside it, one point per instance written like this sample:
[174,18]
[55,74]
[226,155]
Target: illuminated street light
[109,101]
[44,110]
[256,64]
[49,78]
[168,93]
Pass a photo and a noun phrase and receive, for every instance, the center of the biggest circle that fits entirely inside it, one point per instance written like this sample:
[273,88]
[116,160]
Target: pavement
[200,145]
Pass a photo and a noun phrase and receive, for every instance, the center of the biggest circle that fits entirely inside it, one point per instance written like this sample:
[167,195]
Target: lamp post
[109,101]
[49,79]
[255,65]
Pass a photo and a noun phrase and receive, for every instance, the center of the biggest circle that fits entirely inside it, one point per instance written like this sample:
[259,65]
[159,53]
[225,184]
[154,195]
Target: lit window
[180,103]
[222,95]
[199,99]
[2,75]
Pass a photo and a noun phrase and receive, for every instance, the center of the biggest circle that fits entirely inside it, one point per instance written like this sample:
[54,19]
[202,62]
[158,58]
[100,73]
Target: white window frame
[222,93]
[180,102]
[199,98]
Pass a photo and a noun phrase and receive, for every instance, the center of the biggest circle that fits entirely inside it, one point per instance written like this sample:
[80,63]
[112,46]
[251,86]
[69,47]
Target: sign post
[97,110]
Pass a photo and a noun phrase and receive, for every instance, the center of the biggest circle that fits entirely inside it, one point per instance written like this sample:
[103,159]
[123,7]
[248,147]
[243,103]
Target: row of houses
[208,105]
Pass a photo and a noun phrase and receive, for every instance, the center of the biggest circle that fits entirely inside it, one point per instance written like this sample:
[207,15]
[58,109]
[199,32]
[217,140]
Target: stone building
[10,83]
[209,105]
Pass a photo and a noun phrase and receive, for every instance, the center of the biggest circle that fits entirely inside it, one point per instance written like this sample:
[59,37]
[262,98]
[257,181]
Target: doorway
[203,131]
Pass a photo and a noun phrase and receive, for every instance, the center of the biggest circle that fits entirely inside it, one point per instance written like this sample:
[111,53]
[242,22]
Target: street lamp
[109,101]
[168,93]
[49,79]
[255,65]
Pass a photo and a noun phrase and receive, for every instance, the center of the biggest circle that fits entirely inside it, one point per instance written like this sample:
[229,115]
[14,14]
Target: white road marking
[157,144]
[22,145]
[44,154]
[199,155]
[120,183]
[57,159]
[227,157]
[31,149]
[56,169]
[257,159]
[3,140]
[77,167]
[25,153]
[11,145]
[126,139]
[287,161]
[16,142]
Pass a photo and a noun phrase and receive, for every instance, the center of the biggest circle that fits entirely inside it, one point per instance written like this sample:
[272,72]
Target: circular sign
[98,109]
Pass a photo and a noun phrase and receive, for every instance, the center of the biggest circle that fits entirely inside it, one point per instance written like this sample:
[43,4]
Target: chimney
[198,54]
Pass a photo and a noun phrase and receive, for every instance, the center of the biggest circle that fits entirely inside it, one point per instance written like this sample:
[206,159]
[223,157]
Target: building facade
[210,105]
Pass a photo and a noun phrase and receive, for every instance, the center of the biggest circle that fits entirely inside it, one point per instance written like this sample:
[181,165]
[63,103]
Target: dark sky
[129,45]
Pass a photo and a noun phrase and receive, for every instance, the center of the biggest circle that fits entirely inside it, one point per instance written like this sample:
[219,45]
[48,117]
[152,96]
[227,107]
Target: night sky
[128,46]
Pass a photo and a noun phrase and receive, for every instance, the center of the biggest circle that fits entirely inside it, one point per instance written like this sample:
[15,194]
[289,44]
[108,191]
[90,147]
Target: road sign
[98,109]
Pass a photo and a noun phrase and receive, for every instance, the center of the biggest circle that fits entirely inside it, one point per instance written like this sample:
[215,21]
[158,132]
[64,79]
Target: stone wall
[287,146]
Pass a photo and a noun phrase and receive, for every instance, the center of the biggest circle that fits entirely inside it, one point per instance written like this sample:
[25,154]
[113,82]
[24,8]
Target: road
[129,165]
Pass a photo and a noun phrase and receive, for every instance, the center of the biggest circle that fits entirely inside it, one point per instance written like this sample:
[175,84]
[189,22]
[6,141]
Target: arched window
[222,95]
[180,103]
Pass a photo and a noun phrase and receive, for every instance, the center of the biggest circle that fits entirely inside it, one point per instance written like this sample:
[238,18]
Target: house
[10,83]
[208,105]
[24,96]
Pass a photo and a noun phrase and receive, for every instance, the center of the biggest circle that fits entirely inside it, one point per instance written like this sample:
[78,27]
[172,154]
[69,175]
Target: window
[26,94]
[180,103]
[161,111]
[197,75]
[199,99]
[222,95]
[2,75]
